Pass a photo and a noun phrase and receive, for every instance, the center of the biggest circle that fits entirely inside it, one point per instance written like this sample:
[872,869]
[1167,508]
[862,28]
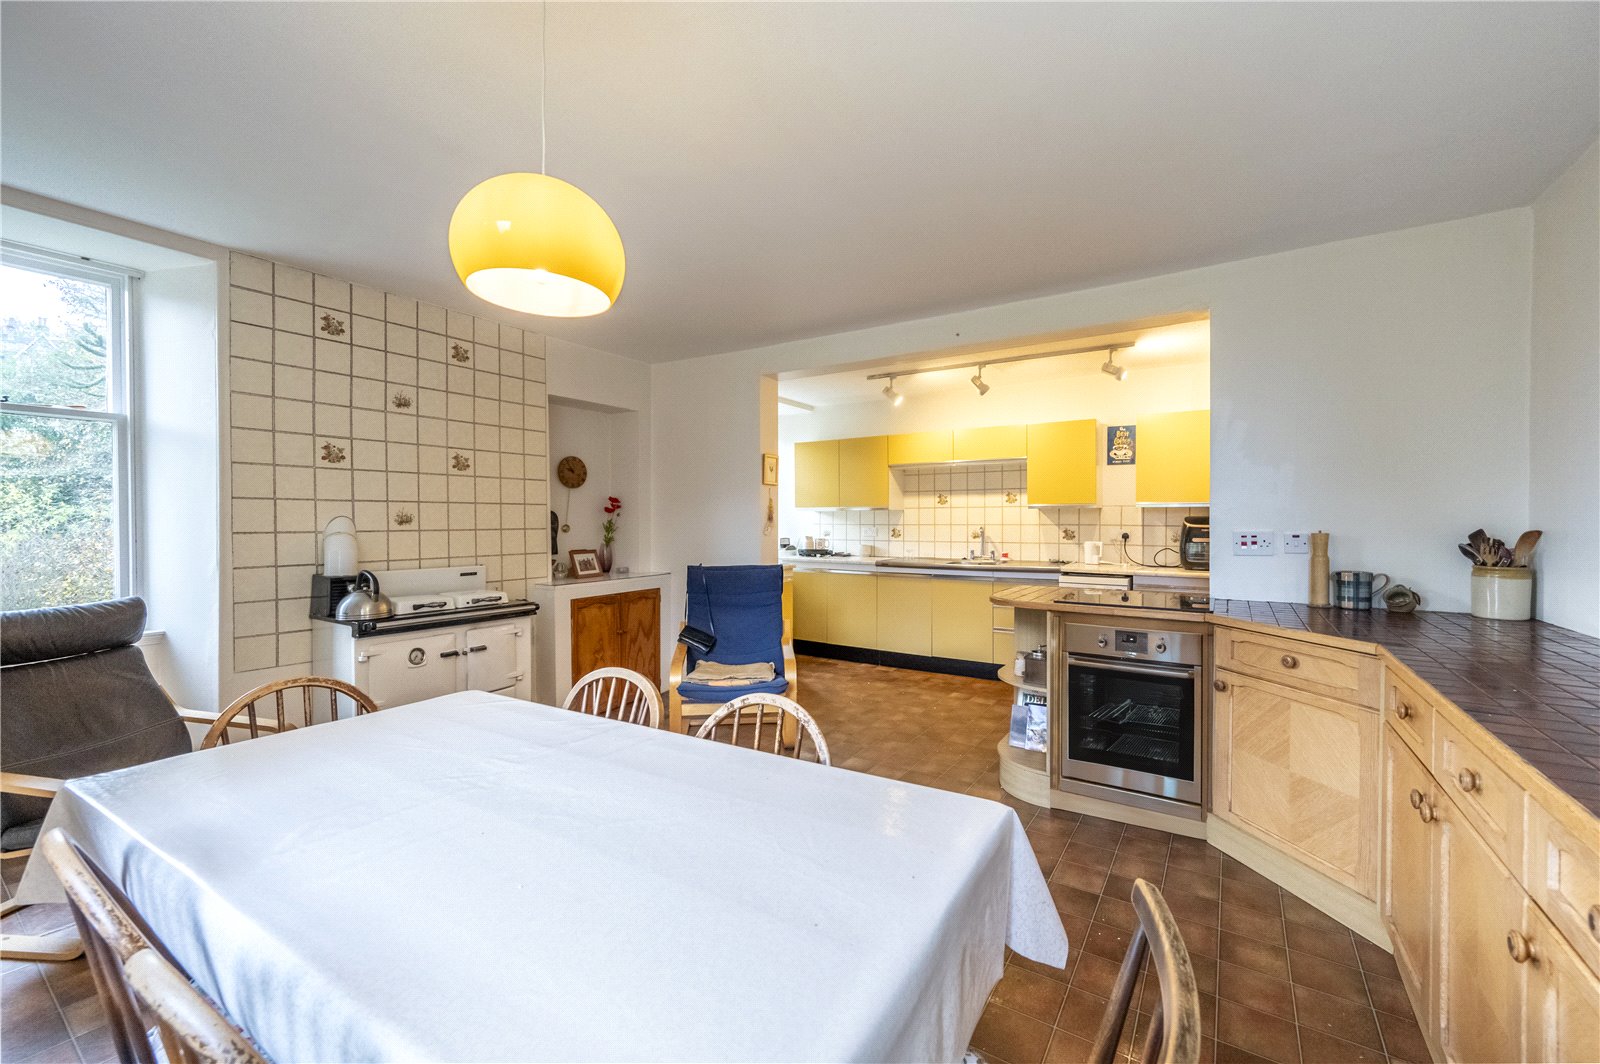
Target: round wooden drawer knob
[1416,798]
[1469,780]
[1520,948]
[1290,661]
[1403,711]
[1426,811]
[1219,685]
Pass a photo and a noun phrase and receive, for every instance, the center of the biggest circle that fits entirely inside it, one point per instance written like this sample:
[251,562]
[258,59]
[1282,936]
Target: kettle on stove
[364,602]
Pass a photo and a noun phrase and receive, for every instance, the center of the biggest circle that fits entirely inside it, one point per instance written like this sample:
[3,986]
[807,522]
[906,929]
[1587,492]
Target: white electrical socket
[1297,543]
[1254,542]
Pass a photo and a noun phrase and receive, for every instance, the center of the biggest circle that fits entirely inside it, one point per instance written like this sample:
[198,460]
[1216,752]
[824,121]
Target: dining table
[479,878]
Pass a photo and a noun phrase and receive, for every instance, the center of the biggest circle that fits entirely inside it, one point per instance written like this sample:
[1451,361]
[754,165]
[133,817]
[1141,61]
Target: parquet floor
[1280,981]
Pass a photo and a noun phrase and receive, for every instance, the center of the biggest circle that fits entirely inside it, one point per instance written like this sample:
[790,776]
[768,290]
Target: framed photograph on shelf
[769,470]
[585,564]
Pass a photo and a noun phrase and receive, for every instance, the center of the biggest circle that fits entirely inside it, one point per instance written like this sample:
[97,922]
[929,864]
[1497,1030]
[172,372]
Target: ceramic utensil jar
[1501,593]
[1353,588]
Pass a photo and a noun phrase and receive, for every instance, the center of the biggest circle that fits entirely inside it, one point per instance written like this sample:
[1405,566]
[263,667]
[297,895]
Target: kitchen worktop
[1534,686]
[1021,570]
[1130,569]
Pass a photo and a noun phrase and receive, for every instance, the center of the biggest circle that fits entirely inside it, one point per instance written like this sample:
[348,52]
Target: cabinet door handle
[1403,711]
[1594,921]
[1425,811]
[1290,661]
[1520,948]
[1469,780]
[1416,798]
[474,650]
[1219,685]
[449,653]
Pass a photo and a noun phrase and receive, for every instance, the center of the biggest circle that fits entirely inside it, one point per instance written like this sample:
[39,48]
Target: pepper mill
[1318,592]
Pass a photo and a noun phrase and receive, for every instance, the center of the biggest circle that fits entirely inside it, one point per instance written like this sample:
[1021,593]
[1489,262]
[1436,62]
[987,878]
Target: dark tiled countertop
[1534,686]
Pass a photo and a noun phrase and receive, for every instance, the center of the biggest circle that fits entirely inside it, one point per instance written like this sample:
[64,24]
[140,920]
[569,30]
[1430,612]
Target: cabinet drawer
[1005,618]
[1410,712]
[1302,665]
[1489,798]
[1563,876]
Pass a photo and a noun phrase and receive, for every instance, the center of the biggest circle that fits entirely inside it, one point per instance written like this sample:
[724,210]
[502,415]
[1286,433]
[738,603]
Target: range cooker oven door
[1133,725]
[408,667]
[492,657]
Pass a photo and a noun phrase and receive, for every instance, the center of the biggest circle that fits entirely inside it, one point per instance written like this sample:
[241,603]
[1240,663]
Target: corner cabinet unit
[1173,459]
[585,625]
[1062,464]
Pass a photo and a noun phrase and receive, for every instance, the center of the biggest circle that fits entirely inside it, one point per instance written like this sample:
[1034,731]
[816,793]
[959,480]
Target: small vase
[1502,594]
[604,554]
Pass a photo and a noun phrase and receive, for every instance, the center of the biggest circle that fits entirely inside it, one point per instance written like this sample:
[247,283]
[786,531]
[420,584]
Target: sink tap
[984,547]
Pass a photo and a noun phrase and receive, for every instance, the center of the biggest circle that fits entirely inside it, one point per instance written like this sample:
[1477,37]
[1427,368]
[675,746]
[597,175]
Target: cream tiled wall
[427,427]
[943,506]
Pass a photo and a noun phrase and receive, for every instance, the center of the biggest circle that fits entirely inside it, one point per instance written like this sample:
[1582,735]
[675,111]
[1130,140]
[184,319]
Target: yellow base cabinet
[905,614]
[1063,468]
[921,448]
[992,444]
[1301,771]
[1173,459]
[963,619]
[816,474]
[864,472]
[810,605]
[853,609]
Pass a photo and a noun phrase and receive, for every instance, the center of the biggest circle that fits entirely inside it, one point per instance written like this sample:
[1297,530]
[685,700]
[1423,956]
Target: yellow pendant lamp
[536,244]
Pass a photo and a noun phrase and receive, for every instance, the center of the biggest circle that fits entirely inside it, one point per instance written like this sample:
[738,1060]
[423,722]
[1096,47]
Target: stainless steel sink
[980,564]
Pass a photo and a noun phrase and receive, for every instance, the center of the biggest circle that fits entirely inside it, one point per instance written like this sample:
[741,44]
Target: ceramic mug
[1353,588]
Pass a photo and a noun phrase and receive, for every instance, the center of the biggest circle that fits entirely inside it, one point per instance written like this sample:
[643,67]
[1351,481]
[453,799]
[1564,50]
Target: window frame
[121,392]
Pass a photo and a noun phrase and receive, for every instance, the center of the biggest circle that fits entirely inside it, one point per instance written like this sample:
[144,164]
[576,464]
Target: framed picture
[769,469]
[1120,444]
[585,564]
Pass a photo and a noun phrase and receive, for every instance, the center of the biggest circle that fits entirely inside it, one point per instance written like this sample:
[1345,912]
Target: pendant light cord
[544,75]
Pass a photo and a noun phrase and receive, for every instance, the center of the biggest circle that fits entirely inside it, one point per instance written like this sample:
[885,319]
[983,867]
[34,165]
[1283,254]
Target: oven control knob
[1101,642]
[1161,647]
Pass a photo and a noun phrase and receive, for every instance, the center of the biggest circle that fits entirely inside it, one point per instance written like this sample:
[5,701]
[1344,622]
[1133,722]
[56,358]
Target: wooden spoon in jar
[1522,553]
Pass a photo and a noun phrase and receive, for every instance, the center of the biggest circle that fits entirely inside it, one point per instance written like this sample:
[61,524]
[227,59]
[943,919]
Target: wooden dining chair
[616,694]
[1174,1034]
[785,715]
[244,715]
[192,1029]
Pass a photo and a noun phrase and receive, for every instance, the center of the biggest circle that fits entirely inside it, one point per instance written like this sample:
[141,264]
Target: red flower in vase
[613,504]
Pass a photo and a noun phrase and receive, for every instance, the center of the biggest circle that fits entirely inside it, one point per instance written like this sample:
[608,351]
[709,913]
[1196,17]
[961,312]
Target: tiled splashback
[427,427]
[944,506]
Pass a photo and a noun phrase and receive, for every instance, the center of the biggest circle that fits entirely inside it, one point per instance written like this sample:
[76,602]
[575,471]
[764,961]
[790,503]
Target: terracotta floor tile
[1095,975]
[1117,913]
[1317,1047]
[1388,995]
[1072,901]
[1144,846]
[1227,1054]
[1134,866]
[1107,941]
[1193,908]
[1335,1016]
[1340,980]
[1263,993]
[1252,895]
[1069,874]
[1402,1040]
[1337,946]
[1241,873]
[1208,863]
[30,1022]
[1253,923]
[1081,1014]
[1031,994]
[1257,956]
[1376,959]
[1300,912]
[1202,940]
[1060,975]
[1195,884]
[1256,1032]
[1088,855]
[1068,1049]
[1011,1036]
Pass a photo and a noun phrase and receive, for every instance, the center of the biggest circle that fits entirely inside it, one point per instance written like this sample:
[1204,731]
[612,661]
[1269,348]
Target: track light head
[1111,367]
[890,394]
[977,382]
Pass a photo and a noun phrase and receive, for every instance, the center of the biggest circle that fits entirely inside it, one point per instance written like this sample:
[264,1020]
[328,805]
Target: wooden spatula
[1522,553]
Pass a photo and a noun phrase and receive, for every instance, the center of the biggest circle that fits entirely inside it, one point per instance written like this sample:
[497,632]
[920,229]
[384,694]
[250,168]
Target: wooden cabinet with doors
[816,474]
[1562,1006]
[1063,467]
[1410,835]
[1173,461]
[618,631]
[1301,772]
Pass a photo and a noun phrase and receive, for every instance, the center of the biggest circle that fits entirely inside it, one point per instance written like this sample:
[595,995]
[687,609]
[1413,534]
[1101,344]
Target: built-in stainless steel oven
[1133,710]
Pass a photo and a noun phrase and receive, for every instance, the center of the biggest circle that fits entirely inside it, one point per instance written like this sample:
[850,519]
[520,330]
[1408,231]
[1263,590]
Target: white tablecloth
[476,878]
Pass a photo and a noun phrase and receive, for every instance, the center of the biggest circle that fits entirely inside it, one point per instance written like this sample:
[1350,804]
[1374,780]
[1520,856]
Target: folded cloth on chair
[716,674]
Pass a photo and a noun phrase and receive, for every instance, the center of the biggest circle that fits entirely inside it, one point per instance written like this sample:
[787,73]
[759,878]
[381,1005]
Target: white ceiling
[789,170]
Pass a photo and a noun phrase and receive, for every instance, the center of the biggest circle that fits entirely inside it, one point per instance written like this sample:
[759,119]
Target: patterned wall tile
[425,426]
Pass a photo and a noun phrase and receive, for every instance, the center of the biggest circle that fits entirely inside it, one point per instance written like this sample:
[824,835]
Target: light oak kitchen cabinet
[921,448]
[1406,897]
[816,474]
[1173,463]
[1063,468]
[993,444]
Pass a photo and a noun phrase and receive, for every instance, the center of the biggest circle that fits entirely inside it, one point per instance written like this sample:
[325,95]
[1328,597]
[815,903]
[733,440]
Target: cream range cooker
[449,632]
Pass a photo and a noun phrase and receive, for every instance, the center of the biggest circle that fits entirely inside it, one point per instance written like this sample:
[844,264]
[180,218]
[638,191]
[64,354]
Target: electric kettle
[364,602]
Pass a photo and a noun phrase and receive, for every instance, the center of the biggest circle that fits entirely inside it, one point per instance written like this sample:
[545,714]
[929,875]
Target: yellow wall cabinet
[1062,464]
[921,448]
[810,604]
[905,614]
[963,620]
[816,474]
[853,609]
[864,472]
[1173,462]
[991,444]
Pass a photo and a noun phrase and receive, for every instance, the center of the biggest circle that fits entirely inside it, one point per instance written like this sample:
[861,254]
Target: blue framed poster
[1119,444]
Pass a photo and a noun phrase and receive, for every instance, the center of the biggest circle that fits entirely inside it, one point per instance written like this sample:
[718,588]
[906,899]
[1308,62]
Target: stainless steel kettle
[364,601]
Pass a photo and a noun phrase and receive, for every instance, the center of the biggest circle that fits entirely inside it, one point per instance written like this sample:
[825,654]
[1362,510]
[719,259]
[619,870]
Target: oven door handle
[1174,672]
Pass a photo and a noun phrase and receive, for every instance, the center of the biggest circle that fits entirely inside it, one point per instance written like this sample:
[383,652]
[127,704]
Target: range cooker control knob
[1101,642]
[1161,646]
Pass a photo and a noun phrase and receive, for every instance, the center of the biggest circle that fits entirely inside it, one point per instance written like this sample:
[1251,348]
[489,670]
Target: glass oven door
[1133,725]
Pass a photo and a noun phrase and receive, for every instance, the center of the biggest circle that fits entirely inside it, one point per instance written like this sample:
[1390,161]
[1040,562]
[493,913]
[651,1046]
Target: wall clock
[572,472]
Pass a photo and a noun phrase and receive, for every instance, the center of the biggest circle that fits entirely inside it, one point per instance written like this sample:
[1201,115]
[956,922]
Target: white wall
[1564,405]
[1376,388]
